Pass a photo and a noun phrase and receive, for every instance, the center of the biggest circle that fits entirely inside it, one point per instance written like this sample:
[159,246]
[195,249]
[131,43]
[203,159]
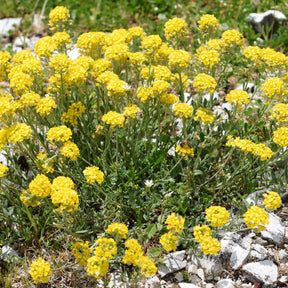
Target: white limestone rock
[6,26]
[275,230]
[153,282]
[8,252]
[173,263]
[258,252]
[238,257]
[265,272]
[188,285]
[225,283]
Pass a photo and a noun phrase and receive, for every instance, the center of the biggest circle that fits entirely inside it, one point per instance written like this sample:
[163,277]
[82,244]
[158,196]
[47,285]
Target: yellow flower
[93,174]
[106,248]
[40,271]
[272,200]
[59,18]
[151,43]
[118,229]
[65,197]
[113,118]
[204,83]
[274,88]
[70,150]
[3,170]
[45,105]
[281,136]
[256,217]
[217,215]
[60,134]
[208,57]
[183,110]
[232,38]
[280,113]
[205,115]
[28,199]
[208,24]
[97,266]
[175,223]
[185,150]
[145,93]
[210,245]
[169,241]
[40,186]
[74,111]
[81,252]
[147,266]
[238,96]
[175,27]
[179,60]
[201,232]
[132,253]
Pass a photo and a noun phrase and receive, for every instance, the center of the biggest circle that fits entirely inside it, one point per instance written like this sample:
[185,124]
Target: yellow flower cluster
[280,113]
[113,118]
[73,112]
[151,43]
[136,33]
[237,96]
[44,47]
[204,83]
[203,235]
[61,41]
[179,60]
[281,136]
[93,174]
[118,229]
[183,110]
[232,38]
[40,271]
[175,28]
[59,18]
[60,134]
[185,150]
[272,200]
[145,93]
[45,105]
[62,194]
[44,164]
[208,57]
[97,266]
[117,52]
[106,248]
[81,252]
[40,186]
[28,199]
[169,99]
[131,111]
[217,215]
[132,253]
[205,115]
[208,24]
[3,170]
[248,146]
[70,150]
[175,225]
[5,65]
[256,217]
[274,88]
[160,87]
[99,66]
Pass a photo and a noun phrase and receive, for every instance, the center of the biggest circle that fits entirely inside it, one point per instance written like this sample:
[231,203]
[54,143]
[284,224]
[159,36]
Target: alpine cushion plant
[92,129]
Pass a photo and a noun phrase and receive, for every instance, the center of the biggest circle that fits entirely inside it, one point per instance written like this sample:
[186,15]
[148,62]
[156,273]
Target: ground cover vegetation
[137,147]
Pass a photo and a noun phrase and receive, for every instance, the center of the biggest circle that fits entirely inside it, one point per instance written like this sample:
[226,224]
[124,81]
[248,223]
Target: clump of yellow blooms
[281,136]
[40,271]
[28,199]
[145,93]
[248,146]
[97,266]
[169,241]
[210,245]
[237,96]
[151,43]
[169,99]
[183,110]
[81,252]
[93,174]
[131,111]
[204,83]
[40,186]
[208,57]
[3,170]
[106,248]
[217,215]
[274,88]
[205,115]
[175,28]
[60,134]
[256,218]
[272,200]
[45,105]
[185,150]
[201,231]
[44,164]
[179,60]
[74,111]
[233,38]
[208,24]
[66,197]
[113,118]
[59,18]
[70,150]
[280,113]
[118,229]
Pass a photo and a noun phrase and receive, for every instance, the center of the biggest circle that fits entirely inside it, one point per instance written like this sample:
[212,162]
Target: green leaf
[155,252]
[82,231]
[151,230]
[197,172]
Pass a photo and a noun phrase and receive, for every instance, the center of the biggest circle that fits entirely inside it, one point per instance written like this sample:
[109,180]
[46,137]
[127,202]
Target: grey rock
[225,283]
[226,247]
[238,257]
[170,265]
[260,241]
[266,20]
[265,272]
[192,269]
[73,53]
[179,277]
[246,242]
[8,252]
[7,25]
[275,230]
[211,265]
[188,285]
[283,255]
[194,279]
[201,274]
[178,255]
[37,24]
[259,248]
[283,279]
[153,282]
[209,285]
[256,197]
[256,255]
